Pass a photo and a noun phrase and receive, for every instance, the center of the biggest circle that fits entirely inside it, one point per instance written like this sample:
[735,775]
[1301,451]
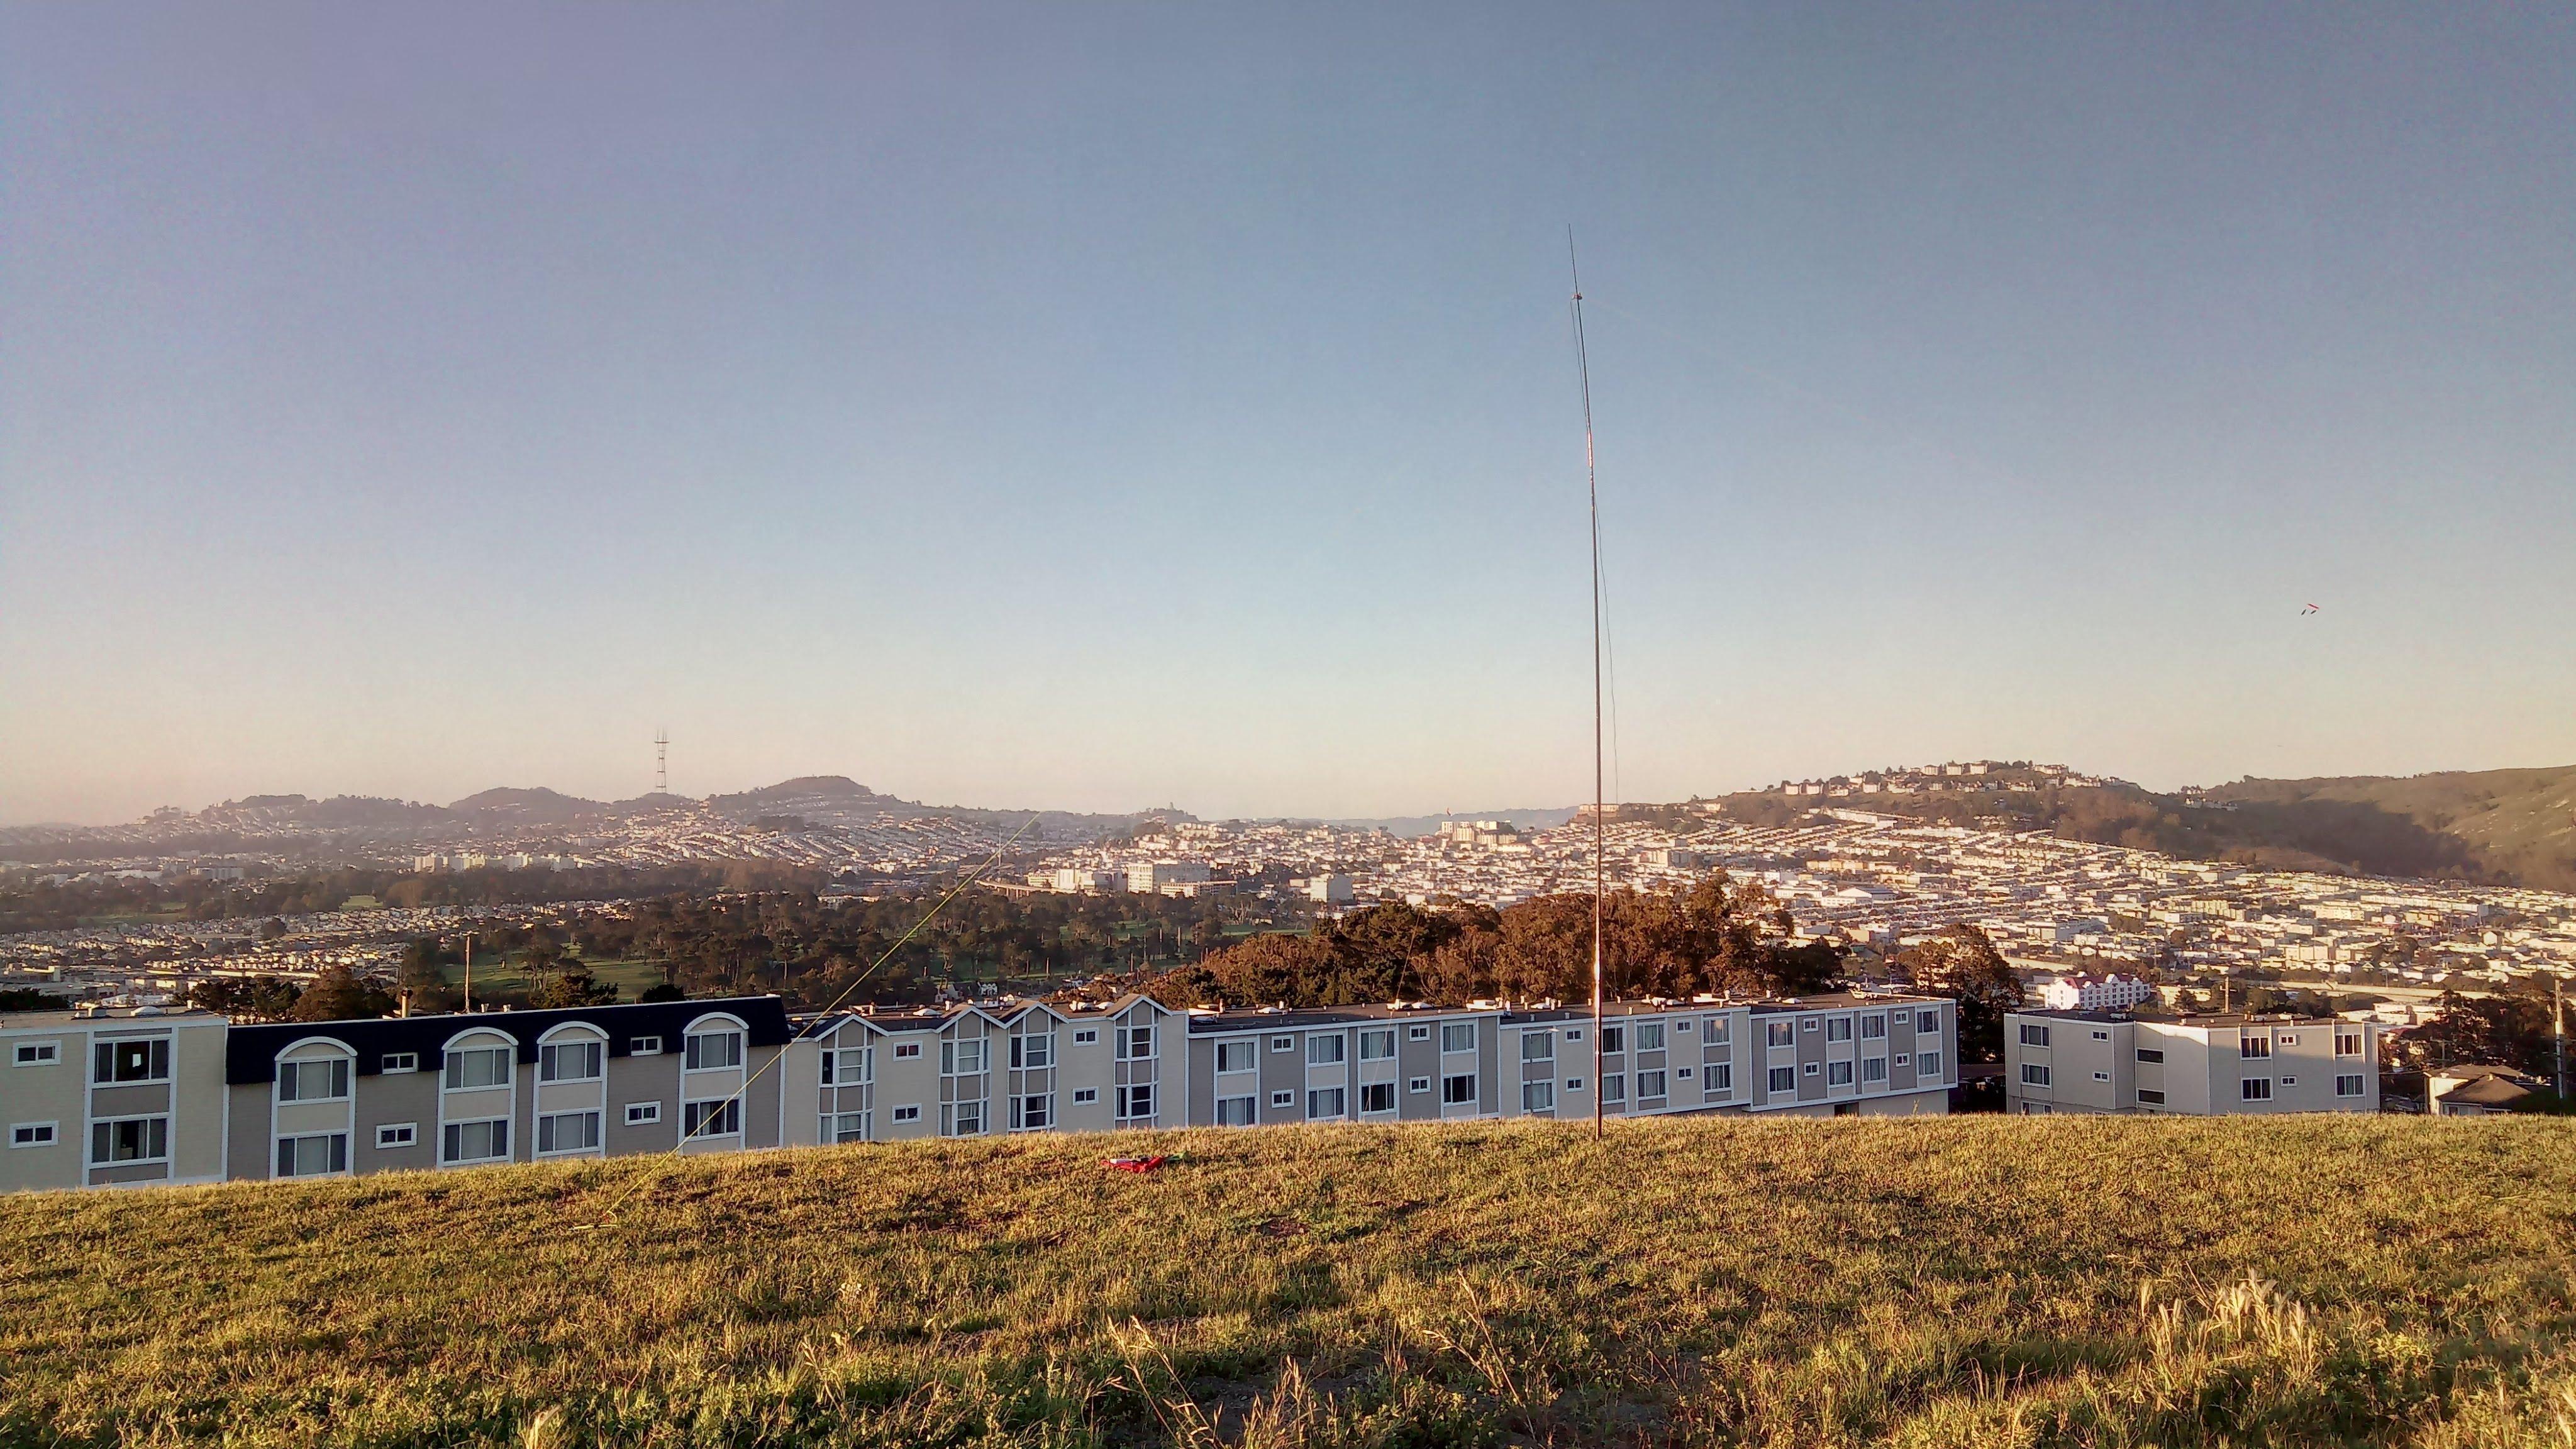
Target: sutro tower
[662,762]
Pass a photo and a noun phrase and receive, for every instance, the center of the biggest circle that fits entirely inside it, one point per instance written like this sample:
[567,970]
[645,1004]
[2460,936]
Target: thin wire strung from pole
[1592,496]
[692,1134]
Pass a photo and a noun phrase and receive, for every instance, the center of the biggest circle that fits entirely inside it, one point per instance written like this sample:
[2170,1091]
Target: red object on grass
[1135,1164]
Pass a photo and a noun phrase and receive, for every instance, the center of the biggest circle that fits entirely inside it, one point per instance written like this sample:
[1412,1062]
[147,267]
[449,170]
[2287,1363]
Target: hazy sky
[1098,407]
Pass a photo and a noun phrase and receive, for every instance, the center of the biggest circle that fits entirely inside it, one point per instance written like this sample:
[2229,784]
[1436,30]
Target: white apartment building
[1151,877]
[2103,1061]
[2113,992]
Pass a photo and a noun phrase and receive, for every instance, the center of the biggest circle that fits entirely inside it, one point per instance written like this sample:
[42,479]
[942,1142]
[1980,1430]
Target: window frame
[643,1114]
[726,1110]
[52,1134]
[737,1048]
[451,1141]
[46,1053]
[395,1064]
[104,1058]
[1450,1090]
[592,1049]
[452,1066]
[596,1120]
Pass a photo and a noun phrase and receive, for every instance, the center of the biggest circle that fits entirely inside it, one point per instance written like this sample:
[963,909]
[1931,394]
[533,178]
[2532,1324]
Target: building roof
[250,1052]
[147,1015]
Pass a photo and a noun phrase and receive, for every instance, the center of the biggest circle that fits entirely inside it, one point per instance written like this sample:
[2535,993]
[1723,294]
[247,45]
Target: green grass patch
[1990,1281]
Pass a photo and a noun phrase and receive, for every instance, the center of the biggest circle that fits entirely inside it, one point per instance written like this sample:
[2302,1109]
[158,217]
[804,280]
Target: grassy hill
[1962,1281]
[2511,825]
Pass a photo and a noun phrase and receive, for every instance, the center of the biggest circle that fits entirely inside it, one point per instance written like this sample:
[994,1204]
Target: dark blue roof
[250,1052]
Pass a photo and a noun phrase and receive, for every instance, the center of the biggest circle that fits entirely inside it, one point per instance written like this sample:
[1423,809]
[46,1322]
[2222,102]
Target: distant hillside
[1933,1282]
[528,807]
[2513,827]
[1410,825]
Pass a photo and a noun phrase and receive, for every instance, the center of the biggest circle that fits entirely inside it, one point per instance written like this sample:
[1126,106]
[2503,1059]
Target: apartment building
[2104,1061]
[468,1090]
[103,1098]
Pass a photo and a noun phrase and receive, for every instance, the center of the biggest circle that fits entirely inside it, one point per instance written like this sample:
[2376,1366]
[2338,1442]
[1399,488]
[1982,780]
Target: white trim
[455,1042]
[18,1053]
[53,1134]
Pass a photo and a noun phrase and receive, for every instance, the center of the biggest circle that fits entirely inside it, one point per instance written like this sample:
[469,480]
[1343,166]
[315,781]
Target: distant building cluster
[2017,775]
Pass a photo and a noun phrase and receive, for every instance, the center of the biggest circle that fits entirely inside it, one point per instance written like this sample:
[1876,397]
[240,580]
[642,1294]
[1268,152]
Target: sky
[1101,407]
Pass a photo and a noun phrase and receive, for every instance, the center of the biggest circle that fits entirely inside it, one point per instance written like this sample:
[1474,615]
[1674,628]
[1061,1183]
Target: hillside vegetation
[1952,1281]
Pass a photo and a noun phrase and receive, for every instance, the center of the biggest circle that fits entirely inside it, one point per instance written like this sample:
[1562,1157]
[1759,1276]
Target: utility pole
[469,971]
[2558,1036]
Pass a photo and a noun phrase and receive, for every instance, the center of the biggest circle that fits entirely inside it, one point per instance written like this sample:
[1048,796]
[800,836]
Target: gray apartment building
[109,1098]
[2106,1061]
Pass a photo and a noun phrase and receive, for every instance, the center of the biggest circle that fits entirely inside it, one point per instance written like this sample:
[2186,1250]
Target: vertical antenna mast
[661,762]
[1592,494]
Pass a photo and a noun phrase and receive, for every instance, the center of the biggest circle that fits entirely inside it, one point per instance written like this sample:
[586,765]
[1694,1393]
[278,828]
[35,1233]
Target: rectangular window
[1088,1036]
[908,1114]
[962,1058]
[1458,1089]
[1810,1068]
[644,1046]
[1682,1025]
[1684,1073]
[1927,1021]
[961,1119]
[1135,1043]
[1283,1098]
[1458,1036]
[1033,1113]
[2347,1043]
[2289,1081]
[131,1061]
[1650,1084]
[1784,1079]
[1809,1024]
[1136,1101]
[2151,1096]
[1779,1034]
[1927,1066]
[907,1050]
[1614,1039]
[1417,1084]
[1083,1095]
[1574,1084]
[1574,1033]
[1873,1069]
[1377,1046]
[710,1050]
[1283,1043]
[1716,1030]
[2101,1036]
[1719,1079]
[1417,1033]
[1614,1087]
[1901,1059]
[1873,1027]
[323,1081]
[1033,1052]
[486,1141]
[1237,1056]
[2258,1089]
[2151,1054]
[568,1132]
[2254,1046]
[711,1119]
[1377,1096]
[478,1067]
[639,1114]
[1838,1029]
[1538,1046]
[38,1053]
[1538,1096]
[1650,1036]
[2101,1076]
[846,1127]
[397,1134]
[318,1155]
[2034,1075]
[2348,1086]
[2033,1034]
[1838,1074]
[33,1134]
[571,1061]
[393,1063]
[1325,1103]
[1237,1111]
[849,1066]
[1324,1051]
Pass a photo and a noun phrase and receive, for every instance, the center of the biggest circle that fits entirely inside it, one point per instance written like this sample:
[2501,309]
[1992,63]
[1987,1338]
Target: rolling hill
[1959,1281]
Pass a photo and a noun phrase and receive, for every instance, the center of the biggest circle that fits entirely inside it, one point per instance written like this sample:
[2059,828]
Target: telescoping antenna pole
[1592,496]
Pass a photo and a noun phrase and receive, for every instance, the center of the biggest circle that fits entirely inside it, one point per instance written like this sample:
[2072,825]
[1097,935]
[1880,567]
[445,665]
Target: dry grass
[1931,1282]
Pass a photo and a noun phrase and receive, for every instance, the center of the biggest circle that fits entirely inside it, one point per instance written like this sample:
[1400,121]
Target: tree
[571,986]
[27,998]
[2500,1031]
[340,994]
[424,968]
[261,998]
[664,992]
[1962,963]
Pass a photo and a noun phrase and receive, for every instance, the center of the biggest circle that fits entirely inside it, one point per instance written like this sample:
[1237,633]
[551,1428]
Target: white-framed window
[2347,1043]
[1538,1096]
[317,1154]
[911,1113]
[2034,1074]
[2151,1054]
[2288,1038]
[1809,1024]
[1927,1065]
[640,1114]
[905,1051]
[397,1134]
[714,1049]
[2257,1089]
[1033,1051]
[481,1141]
[478,1067]
[396,1063]
[1324,1050]
[1135,1101]
[1237,1056]
[2151,1096]
[849,1066]
[961,1119]
[1086,1036]
[1574,1033]
[1838,1074]
[2033,1034]
[1716,1030]
[1377,1097]
[34,1134]
[644,1046]
[846,1127]
[325,1080]
[1873,1069]
[1085,1095]
[1378,1045]
[1325,1103]
[2101,1076]
[1649,1084]
[1650,1036]
[717,1118]
[961,1058]
[1614,1087]
[114,1063]
[1927,1021]
[1283,1043]
[1901,1059]
[1838,1029]
[1033,1112]
[2254,1046]
[1810,1068]
[1538,1046]
[2289,1081]
[1135,1043]
[1457,1036]
[1779,1034]
[1682,1025]
[571,1061]
[1719,1079]
[1873,1026]
[1419,1031]
[1784,1079]
[1417,1084]
[2348,1086]
[37,1053]
[1683,1073]
[1284,1097]
[129,1139]
[1458,1089]
[568,1132]
[2101,1036]
[1237,1111]
[1614,1039]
